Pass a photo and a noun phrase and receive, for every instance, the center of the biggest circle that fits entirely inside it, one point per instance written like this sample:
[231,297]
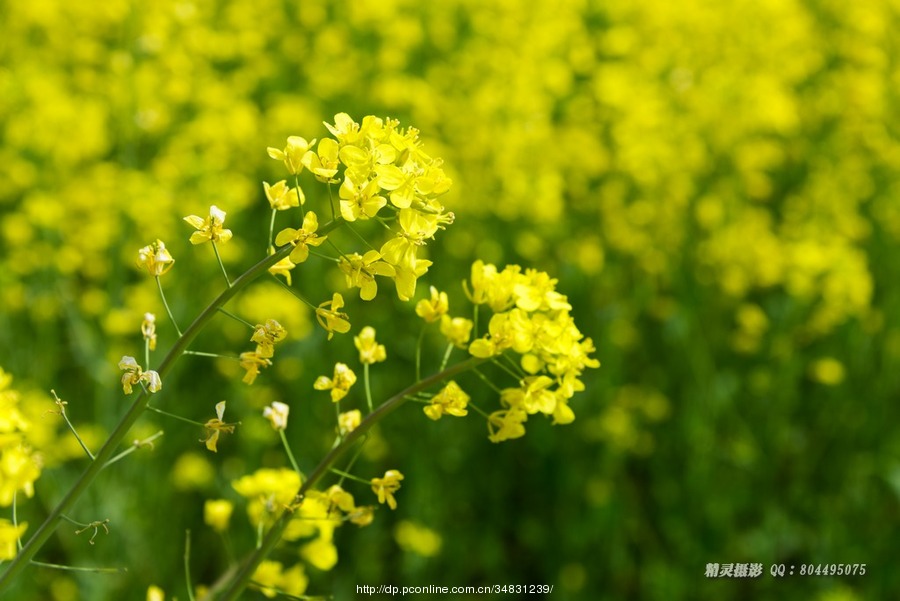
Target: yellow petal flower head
[9,537]
[330,317]
[135,375]
[217,513]
[301,239]
[369,350]
[266,336]
[433,308]
[215,426]
[457,330]
[282,197]
[323,163]
[506,424]
[252,362]
[273,580]
[277,414]
[20,466]
[349,421]
[533,396]
[292,155]
[340,385]
[360,272]
[209,229]
[362,516]
[415,229]
[148,330]
[360,202]
[340,499]
[345,129]
[451,400]
[387,486]
[155,258]
[282,267]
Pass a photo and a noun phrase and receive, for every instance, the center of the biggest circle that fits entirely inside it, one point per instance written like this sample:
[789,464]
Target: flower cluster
[532,319]
[265,336]
[20,465]
[384,165]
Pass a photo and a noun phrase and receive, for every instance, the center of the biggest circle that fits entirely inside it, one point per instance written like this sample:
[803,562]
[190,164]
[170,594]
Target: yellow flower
[272,580]
[135,375]
[282,197]
[434,308]
[349,421]
[828,371]
[345,129]
[330,317]
[340,498]
[292,155]
[217,513]
[154,593]
[532,396]
[369,350]
[360,272]
[209,229]
[277,414]
[215,426]
[360,202]
[283,268]
[387,486]
[324,163]
[506,424]
[344,378]
[9,537]
[451,400]
[19,468]
[362,516]
[456,330]
[148,330]
[252,362]
[155,258]
[301,239]
[266,336]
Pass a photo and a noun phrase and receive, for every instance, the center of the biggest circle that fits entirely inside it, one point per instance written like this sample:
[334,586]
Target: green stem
[446,356]
[290,455]
[174,416]
[62,412]
[134,447]
[187,564]
[234,581]
[344,474]
[56,566]
[162,295]
[296,294]
[221,264]
[213,355]
[419,352]
[236,318]
[137,408]
[272,228]
[368,388]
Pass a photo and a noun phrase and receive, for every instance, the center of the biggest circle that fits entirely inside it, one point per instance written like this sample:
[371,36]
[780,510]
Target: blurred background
[716,186]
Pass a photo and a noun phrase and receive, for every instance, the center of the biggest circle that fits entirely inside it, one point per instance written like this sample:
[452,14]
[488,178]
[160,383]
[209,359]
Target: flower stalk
[137,409]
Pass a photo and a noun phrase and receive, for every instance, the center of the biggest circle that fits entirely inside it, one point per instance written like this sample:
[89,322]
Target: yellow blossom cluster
[376,164]
[20,464]
[532,319]
[265,336]
[314,518]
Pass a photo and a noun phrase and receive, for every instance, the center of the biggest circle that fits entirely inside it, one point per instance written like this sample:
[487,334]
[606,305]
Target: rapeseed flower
[209,229]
